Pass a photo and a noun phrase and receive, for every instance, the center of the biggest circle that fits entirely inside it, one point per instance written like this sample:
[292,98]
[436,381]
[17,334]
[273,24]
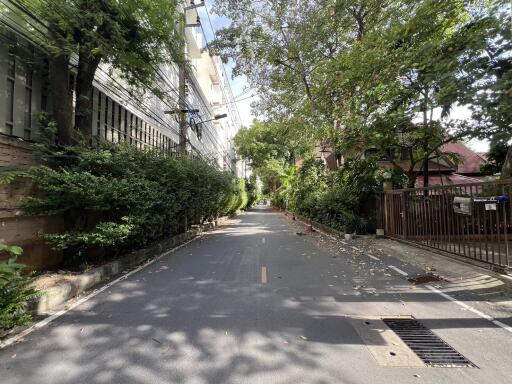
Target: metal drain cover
[432,350]
[423,279]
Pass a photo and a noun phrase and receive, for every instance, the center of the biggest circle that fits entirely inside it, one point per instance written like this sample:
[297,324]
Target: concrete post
[386,186]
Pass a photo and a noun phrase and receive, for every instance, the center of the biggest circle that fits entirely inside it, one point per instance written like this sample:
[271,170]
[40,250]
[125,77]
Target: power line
[237,100]
[223,68]
[120,91]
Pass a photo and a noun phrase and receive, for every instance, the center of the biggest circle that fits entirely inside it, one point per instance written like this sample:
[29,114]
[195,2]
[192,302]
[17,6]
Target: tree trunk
[61,97]
[425,172]
[411,180]
[506,169]
[87,66]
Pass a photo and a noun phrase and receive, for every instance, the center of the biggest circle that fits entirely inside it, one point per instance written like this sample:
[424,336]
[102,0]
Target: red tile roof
[470,162]
[451,179]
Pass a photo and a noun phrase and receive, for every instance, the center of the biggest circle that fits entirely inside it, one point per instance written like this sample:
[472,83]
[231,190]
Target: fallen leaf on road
[13,356]
[303,337]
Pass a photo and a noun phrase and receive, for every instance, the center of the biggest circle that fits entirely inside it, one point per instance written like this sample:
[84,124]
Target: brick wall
[15,227]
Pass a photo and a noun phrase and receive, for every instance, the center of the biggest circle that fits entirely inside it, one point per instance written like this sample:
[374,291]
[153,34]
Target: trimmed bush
[342,199]
[15,290]
[115,196]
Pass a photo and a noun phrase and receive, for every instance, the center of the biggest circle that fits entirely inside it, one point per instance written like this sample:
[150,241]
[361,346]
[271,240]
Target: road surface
[254,302]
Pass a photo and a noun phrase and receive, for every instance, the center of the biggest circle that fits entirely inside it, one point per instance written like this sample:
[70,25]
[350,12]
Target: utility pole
[182,75]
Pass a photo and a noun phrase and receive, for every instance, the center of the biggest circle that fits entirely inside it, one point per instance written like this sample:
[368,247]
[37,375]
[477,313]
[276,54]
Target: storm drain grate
[430,348]
[422,279]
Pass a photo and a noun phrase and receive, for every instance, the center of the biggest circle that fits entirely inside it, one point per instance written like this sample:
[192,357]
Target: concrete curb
[321,227]
[55,297]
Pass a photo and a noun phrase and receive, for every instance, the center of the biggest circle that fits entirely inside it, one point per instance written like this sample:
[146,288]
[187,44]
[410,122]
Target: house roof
[450,179]
[470,160]
[433,165]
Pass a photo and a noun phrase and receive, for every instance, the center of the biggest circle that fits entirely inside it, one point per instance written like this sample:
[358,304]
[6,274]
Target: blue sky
[239,84]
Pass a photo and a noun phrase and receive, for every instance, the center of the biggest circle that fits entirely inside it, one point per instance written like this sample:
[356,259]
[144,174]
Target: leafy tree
[496,156]
[377,74]
[130,37]
[279,46]
[489,64]
[271,148]
[401,82]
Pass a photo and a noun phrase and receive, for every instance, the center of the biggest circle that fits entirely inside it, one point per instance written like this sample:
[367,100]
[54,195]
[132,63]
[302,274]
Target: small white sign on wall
[490,207]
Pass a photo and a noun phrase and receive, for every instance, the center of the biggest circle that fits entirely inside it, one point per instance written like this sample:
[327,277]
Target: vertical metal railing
[470,220]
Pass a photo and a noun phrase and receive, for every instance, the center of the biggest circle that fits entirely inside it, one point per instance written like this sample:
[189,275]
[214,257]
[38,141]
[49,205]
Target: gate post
[387,185]
[381,207]
[405,230]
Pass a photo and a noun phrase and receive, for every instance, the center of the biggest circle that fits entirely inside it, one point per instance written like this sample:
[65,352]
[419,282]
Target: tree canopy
[381,74]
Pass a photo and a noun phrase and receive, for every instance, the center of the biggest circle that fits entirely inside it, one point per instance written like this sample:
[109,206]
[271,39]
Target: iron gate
[470,220]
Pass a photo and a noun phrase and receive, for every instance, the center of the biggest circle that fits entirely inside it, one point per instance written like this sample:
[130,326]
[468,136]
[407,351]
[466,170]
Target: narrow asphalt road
[253,302]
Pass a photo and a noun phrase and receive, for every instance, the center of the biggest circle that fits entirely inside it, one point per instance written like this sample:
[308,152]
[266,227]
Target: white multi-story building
[117,116]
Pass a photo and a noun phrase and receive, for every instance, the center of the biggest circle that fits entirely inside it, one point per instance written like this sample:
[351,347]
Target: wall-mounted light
[217,117]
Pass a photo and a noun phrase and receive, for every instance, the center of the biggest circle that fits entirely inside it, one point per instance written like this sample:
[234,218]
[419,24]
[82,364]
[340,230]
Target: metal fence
[470,220]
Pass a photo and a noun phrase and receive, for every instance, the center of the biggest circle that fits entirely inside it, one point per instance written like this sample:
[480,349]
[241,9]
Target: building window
[136,132]
[28,104]
[125,125]
[44,96]
[142,134]
[105,125]
[113,119]
[119,122]
[98,123]
[11,75]
[131,128]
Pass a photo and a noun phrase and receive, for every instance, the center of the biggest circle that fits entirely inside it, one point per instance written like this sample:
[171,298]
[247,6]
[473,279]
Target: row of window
[25,75]
[112,121]
[116,124]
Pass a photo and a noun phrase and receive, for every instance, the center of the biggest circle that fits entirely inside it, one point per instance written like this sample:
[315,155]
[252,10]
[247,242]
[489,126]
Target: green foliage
[386,74]
[130,38]
[252,191]
[116,196]
[495,157]
[343,199]
[239,197]
[15,290]
[135,36]
[271,149]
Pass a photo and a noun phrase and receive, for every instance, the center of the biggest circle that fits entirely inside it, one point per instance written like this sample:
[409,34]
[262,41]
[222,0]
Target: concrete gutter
[324,228]
[55,297]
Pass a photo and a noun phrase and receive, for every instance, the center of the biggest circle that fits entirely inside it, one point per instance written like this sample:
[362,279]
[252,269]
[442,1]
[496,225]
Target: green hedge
[117,196]
[342,199]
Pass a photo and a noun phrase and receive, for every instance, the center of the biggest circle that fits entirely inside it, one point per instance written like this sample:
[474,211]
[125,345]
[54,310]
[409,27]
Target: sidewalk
[492,287]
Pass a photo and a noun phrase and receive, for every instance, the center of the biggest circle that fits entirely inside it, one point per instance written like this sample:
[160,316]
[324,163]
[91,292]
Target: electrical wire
[223,67]
[121,93]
